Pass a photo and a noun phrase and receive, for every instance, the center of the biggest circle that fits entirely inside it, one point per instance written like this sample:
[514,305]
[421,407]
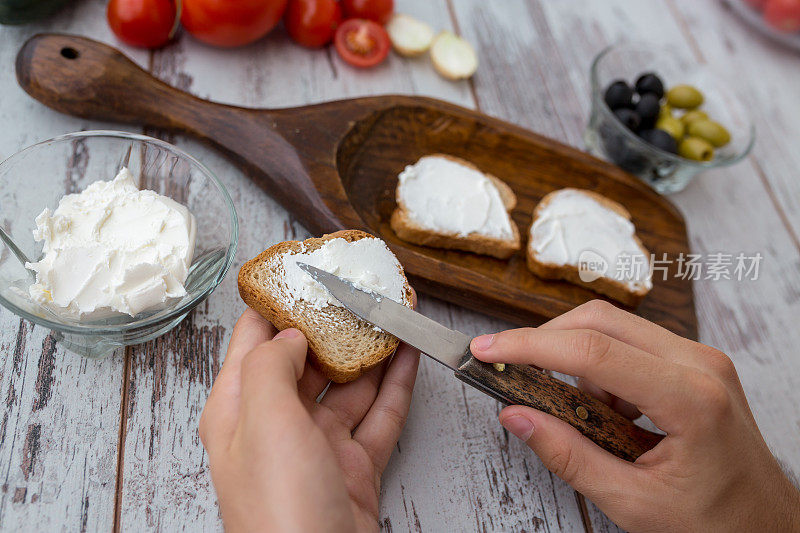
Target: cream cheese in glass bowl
[124,235]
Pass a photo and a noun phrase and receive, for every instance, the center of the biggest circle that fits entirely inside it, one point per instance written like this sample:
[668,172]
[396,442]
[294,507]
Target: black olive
[620,149]
[660,139]
[629,117]
[648,107]
[632,160]
[618,95]
[650,83]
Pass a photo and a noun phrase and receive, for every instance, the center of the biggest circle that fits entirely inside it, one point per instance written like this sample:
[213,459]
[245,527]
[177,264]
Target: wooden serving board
[335,166]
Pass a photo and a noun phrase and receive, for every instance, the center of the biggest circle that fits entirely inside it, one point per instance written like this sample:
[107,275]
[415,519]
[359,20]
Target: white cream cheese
[112,249]
[367,263]
[574,227]
[447,197]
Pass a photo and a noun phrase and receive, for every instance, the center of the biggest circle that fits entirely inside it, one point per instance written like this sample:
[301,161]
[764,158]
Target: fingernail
[289,333]
[520,426]
[482,343]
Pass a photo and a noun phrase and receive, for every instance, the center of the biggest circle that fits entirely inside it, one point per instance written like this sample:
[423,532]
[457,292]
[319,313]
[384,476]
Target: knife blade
[428,336]
[516,384]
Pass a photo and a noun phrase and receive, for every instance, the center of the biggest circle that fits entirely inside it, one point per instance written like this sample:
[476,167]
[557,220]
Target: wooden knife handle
[525,385]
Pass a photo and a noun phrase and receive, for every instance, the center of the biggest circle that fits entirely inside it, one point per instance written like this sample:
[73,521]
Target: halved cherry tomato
[231,23]
[362,43]
[783,15]
[143,23]
[312,23]
[378,10]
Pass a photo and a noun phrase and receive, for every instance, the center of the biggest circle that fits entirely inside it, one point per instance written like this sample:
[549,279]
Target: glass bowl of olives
[660,116]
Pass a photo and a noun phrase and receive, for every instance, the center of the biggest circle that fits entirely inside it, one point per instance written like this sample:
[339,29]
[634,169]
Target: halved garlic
[453,57]
[409,36]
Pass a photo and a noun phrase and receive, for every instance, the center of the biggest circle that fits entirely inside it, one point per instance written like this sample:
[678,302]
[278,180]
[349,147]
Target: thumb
[270,373]
[592,471]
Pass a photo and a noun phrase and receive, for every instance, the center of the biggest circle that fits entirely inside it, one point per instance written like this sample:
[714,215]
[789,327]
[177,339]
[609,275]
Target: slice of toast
[341,345]
[629,293]
[411,231]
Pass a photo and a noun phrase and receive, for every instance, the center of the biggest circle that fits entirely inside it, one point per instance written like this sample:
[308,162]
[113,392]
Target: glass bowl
[38,176]
[607,137]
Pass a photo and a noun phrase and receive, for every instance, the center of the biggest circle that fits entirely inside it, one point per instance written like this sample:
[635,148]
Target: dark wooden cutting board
[335,166]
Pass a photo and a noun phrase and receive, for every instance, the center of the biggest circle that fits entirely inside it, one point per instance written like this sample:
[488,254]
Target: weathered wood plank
[452,468]
[55,475]
[59,422]
[748,320]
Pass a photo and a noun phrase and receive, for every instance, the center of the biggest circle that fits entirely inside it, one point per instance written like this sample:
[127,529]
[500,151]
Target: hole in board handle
[69,53]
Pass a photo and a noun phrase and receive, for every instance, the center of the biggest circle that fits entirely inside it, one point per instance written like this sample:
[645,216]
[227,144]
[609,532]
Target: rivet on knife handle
[525,385]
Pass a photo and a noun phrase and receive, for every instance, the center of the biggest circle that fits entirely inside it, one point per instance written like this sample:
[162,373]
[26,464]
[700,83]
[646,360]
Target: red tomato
[378,10]
[231,23]
[144,23]
[783,15]
[362,43]
[312,23]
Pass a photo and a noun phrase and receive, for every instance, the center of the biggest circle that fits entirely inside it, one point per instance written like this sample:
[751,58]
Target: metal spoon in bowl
[18,253]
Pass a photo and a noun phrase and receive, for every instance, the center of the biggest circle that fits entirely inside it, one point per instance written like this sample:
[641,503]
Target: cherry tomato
[378,10]
[312,23]
[362,43]
[783,15]
[143,23]
[231,23]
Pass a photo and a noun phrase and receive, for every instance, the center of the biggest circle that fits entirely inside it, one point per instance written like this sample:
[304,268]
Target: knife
[514,385]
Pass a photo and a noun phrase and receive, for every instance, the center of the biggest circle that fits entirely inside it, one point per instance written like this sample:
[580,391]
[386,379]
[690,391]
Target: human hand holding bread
[280,460]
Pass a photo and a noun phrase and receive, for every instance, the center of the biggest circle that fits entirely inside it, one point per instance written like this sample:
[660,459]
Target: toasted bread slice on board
[411,231]
[625,292]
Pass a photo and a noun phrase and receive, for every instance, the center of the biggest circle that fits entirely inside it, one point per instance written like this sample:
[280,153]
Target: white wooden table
[113,444]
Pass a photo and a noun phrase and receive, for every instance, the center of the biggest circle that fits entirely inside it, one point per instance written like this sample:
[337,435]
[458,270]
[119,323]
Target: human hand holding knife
[515,385]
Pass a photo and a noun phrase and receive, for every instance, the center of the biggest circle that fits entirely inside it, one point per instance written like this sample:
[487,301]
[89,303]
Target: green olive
[671,125]
[684,97]
[713,132]
[665,111]
[696,148]
[694,114]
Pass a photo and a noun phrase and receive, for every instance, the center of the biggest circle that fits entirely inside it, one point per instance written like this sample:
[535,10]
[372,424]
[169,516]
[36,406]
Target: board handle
[526,385]
[89,79]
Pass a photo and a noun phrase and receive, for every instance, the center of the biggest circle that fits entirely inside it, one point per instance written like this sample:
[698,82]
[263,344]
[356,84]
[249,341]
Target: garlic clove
[409,36]
[453,57]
